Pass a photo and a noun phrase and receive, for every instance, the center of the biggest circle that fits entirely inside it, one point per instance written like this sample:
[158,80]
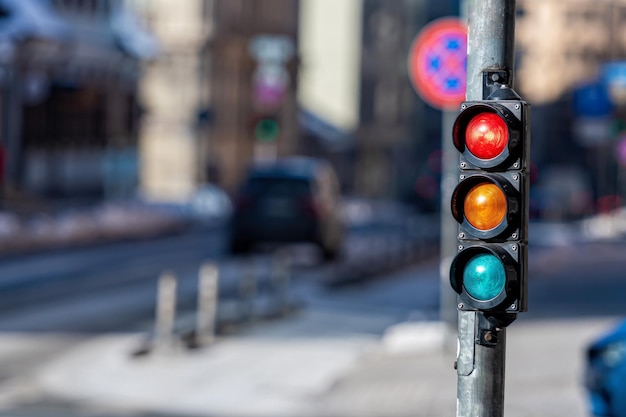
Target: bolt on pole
[482,347]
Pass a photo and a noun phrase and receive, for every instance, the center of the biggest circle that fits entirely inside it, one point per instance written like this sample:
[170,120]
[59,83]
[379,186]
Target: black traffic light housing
[512,112]
[510,227]
[502,184]
[508,299]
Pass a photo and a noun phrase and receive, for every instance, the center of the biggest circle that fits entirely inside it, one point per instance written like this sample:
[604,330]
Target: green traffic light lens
[266,130]
[484,277]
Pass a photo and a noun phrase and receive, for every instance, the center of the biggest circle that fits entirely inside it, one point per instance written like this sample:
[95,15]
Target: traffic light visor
[484,277]
[486,135]
[486,205]
[489,134]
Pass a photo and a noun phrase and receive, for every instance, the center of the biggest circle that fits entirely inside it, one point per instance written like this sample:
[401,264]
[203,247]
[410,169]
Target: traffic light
[266,128]
[490,203]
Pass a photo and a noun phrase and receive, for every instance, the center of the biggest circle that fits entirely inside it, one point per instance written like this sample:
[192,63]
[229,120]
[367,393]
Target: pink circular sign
[438,63]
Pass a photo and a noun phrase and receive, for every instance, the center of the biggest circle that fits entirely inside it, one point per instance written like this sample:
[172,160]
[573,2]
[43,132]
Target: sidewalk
[361,352]
[42,230]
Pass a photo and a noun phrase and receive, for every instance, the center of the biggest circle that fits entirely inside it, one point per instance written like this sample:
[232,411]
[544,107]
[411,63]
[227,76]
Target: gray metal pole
[481,366]
[490,43]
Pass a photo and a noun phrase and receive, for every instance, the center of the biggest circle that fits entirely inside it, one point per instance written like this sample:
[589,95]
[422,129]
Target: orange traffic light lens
[486,135]
[485,206]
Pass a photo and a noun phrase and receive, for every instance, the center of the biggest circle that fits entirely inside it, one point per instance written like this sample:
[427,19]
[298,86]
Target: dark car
[605,373]
[291,200]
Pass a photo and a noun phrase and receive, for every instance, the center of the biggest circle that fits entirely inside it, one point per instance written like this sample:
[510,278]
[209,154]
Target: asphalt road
[581,280]
[113,287]
[574,281]
[38,290]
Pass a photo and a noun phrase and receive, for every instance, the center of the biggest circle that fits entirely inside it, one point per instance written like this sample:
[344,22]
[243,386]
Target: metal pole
[491,37]
[482,346]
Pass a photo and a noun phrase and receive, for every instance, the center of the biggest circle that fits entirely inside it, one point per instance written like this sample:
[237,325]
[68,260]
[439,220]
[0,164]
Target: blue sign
[614,77]
[614,73]
[592,100]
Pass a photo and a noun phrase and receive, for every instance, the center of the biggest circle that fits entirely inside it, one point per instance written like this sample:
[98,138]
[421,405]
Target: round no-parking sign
[438,63]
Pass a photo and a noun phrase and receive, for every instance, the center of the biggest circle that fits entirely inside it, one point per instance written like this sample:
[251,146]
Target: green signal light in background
[266,130]
[484,277]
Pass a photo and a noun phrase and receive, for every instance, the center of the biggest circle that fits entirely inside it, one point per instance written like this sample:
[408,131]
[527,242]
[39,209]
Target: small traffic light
[266,128]
[490,203]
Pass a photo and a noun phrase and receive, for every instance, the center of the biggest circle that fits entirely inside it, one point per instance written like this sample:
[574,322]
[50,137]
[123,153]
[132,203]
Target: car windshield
[278,187]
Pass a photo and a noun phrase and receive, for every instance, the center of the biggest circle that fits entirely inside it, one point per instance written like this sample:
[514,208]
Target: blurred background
[111,100]
[129,134]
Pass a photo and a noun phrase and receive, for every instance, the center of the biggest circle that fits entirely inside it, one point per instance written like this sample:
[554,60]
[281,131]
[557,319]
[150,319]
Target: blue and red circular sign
[438,63]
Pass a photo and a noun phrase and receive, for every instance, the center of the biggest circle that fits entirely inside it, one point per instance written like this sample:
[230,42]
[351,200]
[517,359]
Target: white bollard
[248,289]
[165,311]
[207,304]
[280,278]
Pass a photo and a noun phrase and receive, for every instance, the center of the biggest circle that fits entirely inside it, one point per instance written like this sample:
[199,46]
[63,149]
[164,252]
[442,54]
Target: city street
[113,286]
[303,208]
[372,347]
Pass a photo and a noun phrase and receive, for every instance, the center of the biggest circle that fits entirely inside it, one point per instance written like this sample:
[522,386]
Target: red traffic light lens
[487,135]
[485,206]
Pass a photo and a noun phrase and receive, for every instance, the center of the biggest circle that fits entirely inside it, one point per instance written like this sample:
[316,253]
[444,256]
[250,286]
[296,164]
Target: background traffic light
[266,128]
[490,203]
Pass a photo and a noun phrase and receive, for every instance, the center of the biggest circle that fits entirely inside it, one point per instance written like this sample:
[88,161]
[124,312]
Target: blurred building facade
[393,136]
[386,157]
[560,44]
[335,71]
[201,95]
[345,86]
[564,42]
[329,81]
[174,92]
[253,75]
[91,106]
[69,97]
[562,47]
[330,46]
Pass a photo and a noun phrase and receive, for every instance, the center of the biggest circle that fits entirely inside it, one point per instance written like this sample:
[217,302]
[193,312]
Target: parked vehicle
[291,200]
[605,373]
